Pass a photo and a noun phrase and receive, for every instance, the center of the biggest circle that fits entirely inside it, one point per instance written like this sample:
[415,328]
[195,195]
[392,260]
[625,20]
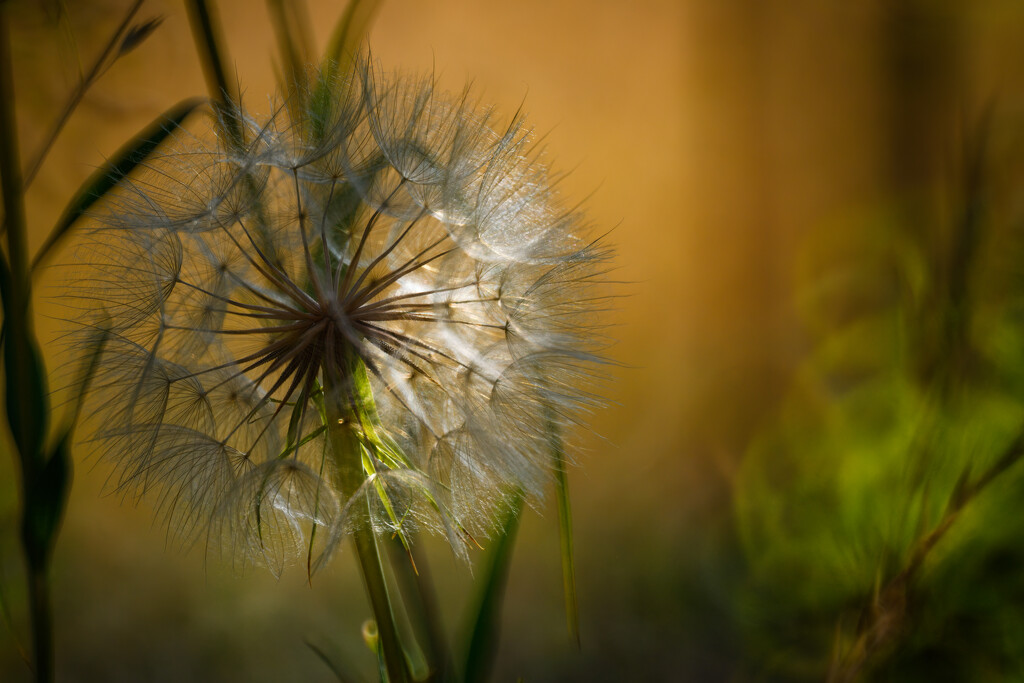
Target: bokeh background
[715,140]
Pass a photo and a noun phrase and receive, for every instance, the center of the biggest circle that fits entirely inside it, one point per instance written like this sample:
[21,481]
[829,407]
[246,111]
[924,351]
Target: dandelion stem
[345,447]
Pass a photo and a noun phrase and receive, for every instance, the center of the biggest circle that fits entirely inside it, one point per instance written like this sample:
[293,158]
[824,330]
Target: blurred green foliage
[876,511]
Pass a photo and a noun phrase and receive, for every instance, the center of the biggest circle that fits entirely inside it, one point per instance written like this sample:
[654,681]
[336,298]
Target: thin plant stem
[213,54]
[10,172]
[376,589]
[887,617]
[485,623]
[210,45]
[42,623]
[206,32]
[346,451]
[291,25]
[19,342]
[412,573]
[565,532]
[97,70]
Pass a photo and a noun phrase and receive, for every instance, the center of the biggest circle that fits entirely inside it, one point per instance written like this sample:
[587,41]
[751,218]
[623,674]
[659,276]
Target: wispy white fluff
[384,221]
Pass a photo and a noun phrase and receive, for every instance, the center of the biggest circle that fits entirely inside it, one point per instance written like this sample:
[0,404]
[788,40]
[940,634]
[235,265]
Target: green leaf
[46,497]
[259,507]
[27,407]
[337,670]
[350,30]
[410,568]
[372,640]
[25,383]
[565,533]
[486,620]
[125,159]
[291,26]
[295,423]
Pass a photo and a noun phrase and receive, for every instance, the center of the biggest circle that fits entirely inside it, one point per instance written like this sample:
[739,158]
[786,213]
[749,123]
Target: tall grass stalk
[23,392]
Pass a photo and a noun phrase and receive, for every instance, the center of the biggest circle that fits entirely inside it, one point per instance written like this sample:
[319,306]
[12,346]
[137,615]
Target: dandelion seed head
[385,247]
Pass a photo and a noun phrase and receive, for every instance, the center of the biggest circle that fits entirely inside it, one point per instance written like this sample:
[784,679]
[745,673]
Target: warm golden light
[808,467]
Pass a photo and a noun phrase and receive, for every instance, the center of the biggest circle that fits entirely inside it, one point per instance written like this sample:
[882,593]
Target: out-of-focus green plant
[43,450]
[879,511]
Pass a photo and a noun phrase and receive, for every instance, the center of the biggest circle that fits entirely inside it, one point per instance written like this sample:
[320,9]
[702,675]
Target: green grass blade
[213,56]
[565,534]
[486,620]
[350,30]
[372,638]
[125,159]
[25,392]
[119,44]
[330,664]
[24,381]
[291,26]
[45,506]
[212,50]
[412,574]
